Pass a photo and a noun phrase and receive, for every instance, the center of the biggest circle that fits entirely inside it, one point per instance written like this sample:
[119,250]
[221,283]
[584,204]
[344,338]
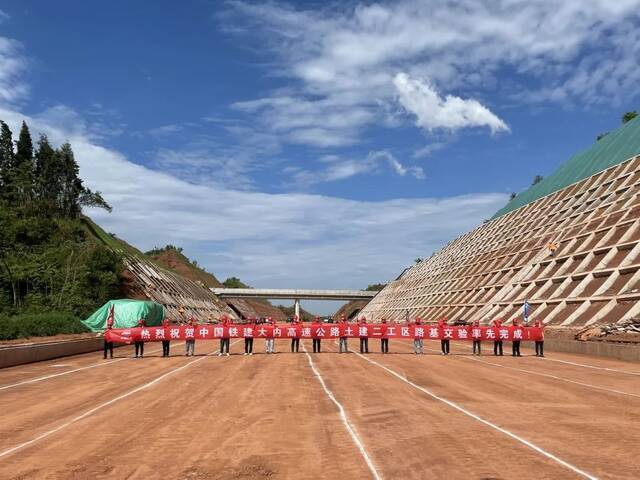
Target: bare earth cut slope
[244,308]
[590,207]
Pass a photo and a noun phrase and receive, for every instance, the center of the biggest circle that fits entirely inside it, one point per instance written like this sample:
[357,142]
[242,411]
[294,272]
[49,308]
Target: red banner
[376,330]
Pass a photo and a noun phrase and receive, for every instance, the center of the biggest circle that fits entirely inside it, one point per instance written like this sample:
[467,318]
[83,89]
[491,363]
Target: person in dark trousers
[224,340]
[139,344]
[166,343]
[108,345]
[248,337]
[295,341]
[342,341]
[316,341]
[444,342]
[384,340]
[364,336]
[540,343]
[476,341]
[515,343]
[497,342]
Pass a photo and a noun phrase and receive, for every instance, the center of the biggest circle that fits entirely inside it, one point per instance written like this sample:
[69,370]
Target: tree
[24,146]
[629,116]
[234,282]
[47,176]
[23,166]
[601,136]
[512,195]
[537,179]
[71,184]
[375,287]
[418,260]
[6,156]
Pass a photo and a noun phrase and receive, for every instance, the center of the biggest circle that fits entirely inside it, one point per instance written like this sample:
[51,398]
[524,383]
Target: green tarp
[127,314]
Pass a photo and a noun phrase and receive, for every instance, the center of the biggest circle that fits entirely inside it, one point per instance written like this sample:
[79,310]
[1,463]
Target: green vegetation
[52,269]
[629,116]
[234,282]
[166,248]
[39,325]
[375,287]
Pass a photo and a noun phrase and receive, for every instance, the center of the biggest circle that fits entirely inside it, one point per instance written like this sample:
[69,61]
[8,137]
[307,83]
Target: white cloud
[336,168]
[434,112]
[273,240]
[4,16]
[12,66]
[345,58]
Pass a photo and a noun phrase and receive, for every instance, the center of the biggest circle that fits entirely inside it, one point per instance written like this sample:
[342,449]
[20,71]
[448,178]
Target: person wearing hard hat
[476,341]
[166,342]
[444,342]
[418,341]
[270,342]
[108,345]
[139,344]
[515,342]
[497,342]
[384,339]
[363,334]
[190,342]
[224,340]
[342,341]
[317,342]
[295,340]
[248,336]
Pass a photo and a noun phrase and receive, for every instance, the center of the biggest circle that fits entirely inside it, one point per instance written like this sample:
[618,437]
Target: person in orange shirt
[497,342]
[444,342]
[384,340]
[316,341]
[166,342]
[342,341]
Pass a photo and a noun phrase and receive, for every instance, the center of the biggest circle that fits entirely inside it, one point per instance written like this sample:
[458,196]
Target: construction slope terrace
[590,207]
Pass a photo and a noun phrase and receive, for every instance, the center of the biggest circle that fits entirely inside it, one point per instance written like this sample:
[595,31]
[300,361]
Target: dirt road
[320,416]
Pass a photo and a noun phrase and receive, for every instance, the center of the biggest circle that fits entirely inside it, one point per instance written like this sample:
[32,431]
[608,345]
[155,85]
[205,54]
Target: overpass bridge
[293,294]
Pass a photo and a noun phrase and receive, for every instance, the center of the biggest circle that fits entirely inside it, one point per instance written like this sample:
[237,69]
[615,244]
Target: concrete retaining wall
[11,355]
[619,351]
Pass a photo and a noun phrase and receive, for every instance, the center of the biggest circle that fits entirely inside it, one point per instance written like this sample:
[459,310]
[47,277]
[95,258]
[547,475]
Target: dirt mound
[626,330]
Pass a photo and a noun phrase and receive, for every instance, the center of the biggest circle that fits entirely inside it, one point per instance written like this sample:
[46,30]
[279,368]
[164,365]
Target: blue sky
[315,144]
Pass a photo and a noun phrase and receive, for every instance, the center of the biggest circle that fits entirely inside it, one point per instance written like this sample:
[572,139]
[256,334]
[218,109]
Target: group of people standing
[343,347]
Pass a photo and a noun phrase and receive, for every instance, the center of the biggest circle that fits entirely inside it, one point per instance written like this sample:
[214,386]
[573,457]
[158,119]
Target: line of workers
[418,343]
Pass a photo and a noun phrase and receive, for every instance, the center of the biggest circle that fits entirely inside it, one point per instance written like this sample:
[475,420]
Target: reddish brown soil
[267,417]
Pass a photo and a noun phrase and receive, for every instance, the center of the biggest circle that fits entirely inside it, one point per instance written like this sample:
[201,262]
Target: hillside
[172,258]
[175,260]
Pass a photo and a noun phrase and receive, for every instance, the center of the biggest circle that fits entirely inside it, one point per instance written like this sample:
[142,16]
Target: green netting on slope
[127,313]
[616,147]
